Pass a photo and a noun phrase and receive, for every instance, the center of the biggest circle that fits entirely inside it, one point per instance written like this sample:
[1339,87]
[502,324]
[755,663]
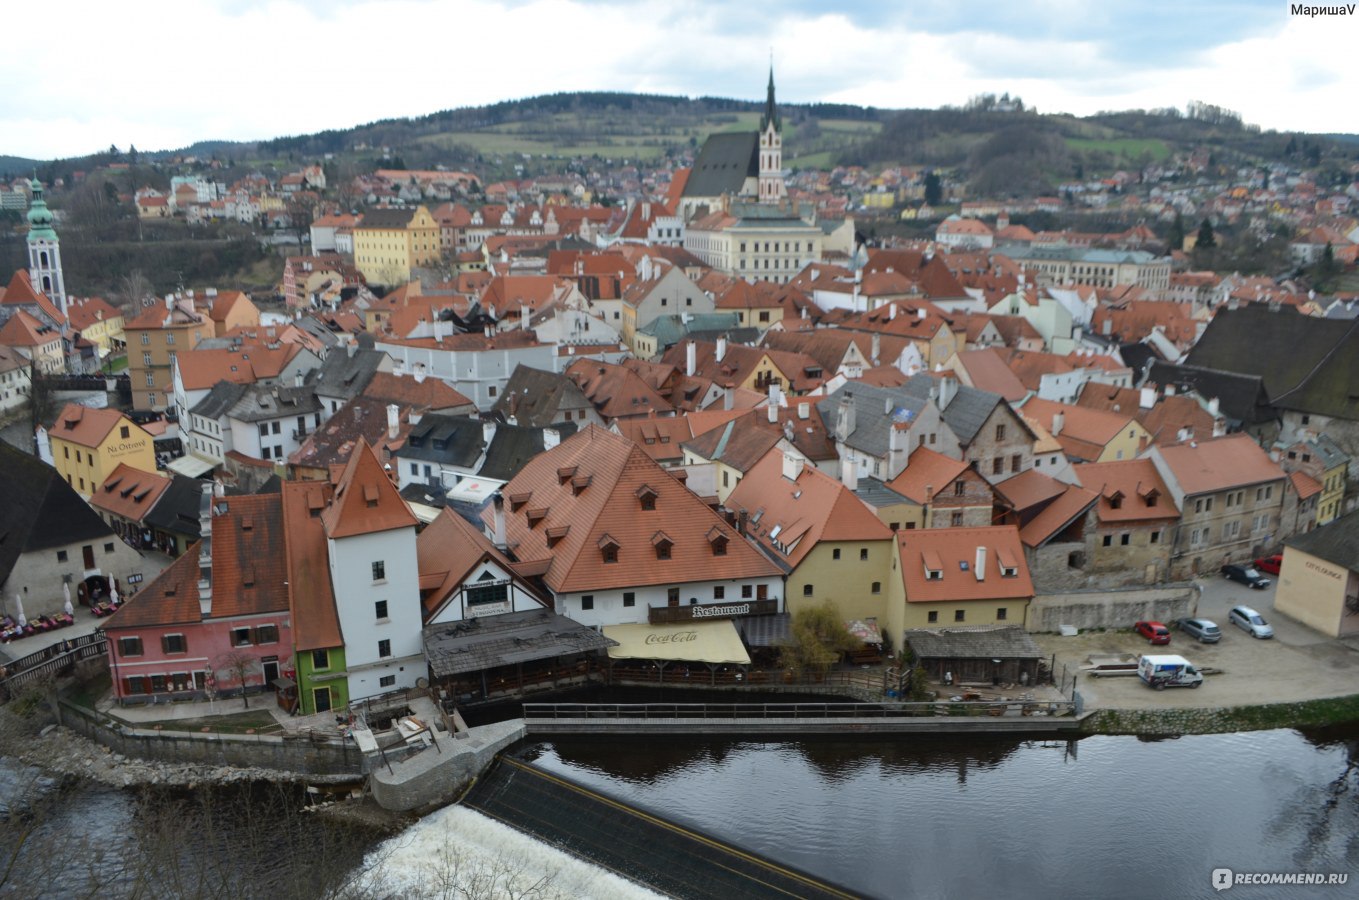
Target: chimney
[487,431]
[804,410]
[1184,434]
[551,438]
[498,504]
[876,349]
[979,567]
[721,348]
[350,348]
[772,407]
[170,302]
[844,418]
[727,399]
[1170,390]
[393,421]
[849,472]
[742,522]
[897,444]
[299,379]
[399,369]
[205,550]
[44,445]
[948,389]
[920,314]
[1107,326]
[1058,420]
[1214,407]
[1219,427]
[524,315]
[792,466]
[891,311]
[1147,398]
[690,359]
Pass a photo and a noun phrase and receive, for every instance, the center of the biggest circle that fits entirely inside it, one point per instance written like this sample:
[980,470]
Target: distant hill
[14,166]
[999,148]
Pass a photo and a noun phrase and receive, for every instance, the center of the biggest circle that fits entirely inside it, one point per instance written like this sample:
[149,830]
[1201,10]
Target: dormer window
[517,501]
[1116,500]
[556,533]
[580,483]
[646,495]
[717,541]
[934,566]
[608,548]
[663,544]
[536,515]
[565,474]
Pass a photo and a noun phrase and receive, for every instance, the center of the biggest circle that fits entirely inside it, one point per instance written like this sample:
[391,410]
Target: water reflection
[949,817]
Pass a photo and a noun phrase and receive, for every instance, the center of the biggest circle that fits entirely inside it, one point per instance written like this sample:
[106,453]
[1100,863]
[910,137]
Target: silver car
[1250,621]
[1202,630]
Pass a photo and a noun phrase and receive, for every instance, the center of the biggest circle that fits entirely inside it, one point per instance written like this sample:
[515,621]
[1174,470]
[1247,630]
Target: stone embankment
[61,751]
[1218,720]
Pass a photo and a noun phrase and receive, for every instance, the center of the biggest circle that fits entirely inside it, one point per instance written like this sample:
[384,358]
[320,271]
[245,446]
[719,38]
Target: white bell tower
[772,188]
[44,250]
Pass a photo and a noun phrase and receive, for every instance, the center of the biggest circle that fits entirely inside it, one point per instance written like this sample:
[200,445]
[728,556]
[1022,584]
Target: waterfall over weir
[641,846]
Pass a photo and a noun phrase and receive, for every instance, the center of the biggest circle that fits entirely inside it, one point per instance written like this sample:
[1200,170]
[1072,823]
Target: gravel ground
[1297,664]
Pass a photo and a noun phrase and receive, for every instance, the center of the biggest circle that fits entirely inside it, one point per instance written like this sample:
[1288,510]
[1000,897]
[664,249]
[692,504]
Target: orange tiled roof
[1305,485]
[408,391]
[1217,464]
[315,623]
[1130,490]
[366,501]
[90,427]
[926,469]
[86,312]
[945,550]
[24,330]
[446,551]
[592,485]
[788,517]
[129,493]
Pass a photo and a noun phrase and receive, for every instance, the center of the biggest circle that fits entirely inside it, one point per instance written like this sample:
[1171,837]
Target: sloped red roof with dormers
[366,501]
[594,485]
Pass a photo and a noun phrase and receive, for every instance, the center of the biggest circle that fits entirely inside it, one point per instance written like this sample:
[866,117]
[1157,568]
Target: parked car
[1247,575]
[1250,621]
[1202,630]
[1270,564]
[1154,632]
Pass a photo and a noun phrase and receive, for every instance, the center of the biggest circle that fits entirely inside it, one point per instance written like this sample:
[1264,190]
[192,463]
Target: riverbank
[1224,720]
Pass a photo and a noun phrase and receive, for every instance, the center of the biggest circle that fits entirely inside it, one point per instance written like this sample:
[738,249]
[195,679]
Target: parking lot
[1297,664]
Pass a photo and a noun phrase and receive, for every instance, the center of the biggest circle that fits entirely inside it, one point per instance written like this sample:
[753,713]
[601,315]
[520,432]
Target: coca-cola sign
[675,637]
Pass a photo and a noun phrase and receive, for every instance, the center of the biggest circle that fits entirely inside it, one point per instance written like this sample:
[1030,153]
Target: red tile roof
[788,517]
[599,504]
[129,493]
[366,501]
[90,427]
[447,550]
[954,552]
[311,598]
[925,470]
[1130,490]
[1235,460]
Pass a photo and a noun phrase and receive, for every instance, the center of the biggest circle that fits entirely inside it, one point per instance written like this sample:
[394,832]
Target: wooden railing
[50,660]
[754,711]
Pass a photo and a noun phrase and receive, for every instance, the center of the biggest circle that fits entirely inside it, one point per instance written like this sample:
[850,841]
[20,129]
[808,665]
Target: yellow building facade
[389,242]
[88,444]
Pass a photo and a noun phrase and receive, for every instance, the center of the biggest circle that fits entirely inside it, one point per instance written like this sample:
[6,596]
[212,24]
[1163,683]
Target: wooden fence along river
[50,660]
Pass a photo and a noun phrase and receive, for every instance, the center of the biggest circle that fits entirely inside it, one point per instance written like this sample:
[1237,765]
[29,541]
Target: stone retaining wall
[439,774]
[1112,608]
[246,751]
[1218,720]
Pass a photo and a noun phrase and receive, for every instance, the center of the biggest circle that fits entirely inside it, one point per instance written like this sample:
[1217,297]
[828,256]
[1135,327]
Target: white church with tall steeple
[771,185]
[44,250]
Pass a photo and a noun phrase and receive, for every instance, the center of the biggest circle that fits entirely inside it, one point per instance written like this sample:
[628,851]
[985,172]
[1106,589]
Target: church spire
[771,110]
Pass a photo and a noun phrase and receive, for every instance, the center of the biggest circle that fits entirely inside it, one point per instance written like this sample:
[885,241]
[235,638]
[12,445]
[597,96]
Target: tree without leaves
[236,667]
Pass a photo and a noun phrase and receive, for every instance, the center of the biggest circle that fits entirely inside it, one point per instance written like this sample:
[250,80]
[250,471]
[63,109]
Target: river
[1105,817]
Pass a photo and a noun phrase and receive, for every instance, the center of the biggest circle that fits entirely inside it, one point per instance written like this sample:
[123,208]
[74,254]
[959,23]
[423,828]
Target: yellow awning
[709,642]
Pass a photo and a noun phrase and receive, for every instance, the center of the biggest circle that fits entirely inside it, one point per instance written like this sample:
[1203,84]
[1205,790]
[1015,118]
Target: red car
[1270,564]
[1154,632]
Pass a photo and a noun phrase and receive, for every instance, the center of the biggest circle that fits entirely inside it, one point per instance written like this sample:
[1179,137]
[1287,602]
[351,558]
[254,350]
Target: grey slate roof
[1242,398]
[177,509]
[1329,451]
[670,330]
[221,398]
[489,641]
[973,642]
[877,495]
[872,423]
[724,164]
[535,397]
[1337,542]
[965,413]
[39,510]
[261,402]
[344,376]
[387,217]
[514,445]
[453,440]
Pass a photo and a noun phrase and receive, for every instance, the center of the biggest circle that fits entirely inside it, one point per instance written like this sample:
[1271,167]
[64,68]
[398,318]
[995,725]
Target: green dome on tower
[39,216]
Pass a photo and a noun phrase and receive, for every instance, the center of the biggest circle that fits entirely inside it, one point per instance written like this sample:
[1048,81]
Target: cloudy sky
[77,75]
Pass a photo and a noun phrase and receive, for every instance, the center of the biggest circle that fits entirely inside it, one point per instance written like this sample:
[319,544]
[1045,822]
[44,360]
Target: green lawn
[236,723]
[115,364]
[1128,148]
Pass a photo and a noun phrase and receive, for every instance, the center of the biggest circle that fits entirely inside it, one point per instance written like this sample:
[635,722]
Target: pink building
[216,614]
